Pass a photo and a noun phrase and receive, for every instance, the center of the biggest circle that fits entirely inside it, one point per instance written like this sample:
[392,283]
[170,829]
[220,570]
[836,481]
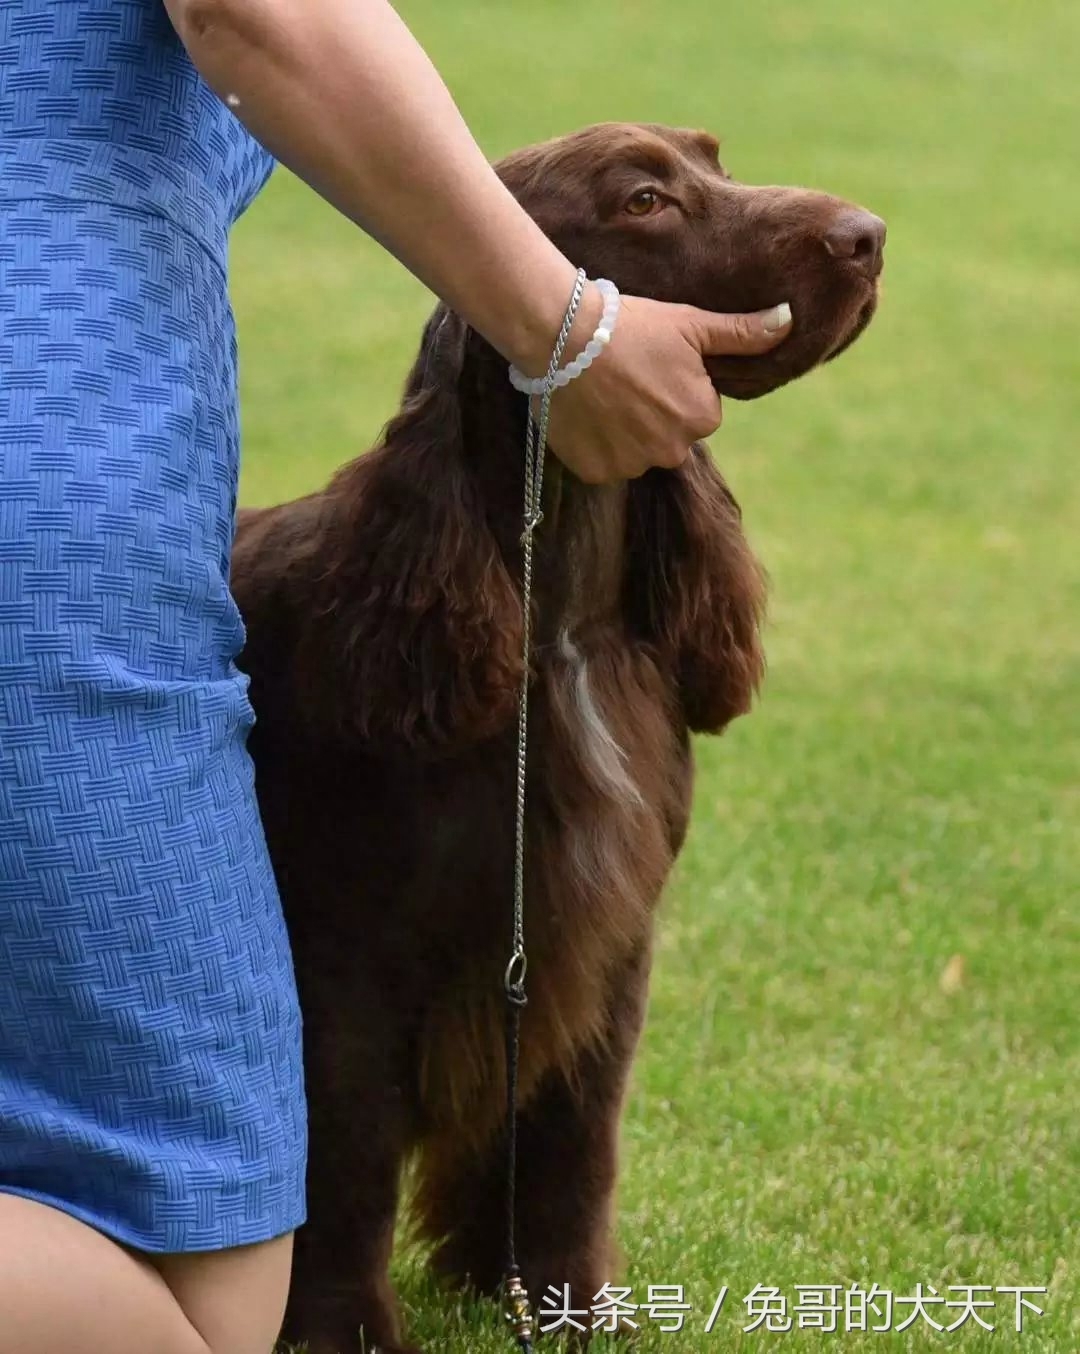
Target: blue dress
[150,1069]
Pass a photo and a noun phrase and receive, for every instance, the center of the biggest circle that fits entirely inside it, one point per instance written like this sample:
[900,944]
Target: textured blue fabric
[150,1072]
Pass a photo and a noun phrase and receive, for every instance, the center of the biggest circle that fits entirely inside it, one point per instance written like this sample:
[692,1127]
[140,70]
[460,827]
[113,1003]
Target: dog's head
[423,584]
[653,209]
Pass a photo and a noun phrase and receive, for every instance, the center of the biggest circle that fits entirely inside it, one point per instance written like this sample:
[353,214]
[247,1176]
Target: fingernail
[776,319]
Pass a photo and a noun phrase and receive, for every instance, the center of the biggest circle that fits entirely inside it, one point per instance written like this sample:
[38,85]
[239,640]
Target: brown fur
[384,621]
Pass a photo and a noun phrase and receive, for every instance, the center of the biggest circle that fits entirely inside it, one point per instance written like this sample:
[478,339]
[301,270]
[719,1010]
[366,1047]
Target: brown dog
[384,637]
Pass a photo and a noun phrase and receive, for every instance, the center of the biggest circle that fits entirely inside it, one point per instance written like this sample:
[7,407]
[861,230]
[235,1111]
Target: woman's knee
[234,1298]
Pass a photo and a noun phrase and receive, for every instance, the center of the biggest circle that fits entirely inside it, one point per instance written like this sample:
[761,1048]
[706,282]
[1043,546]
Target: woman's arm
[340,92]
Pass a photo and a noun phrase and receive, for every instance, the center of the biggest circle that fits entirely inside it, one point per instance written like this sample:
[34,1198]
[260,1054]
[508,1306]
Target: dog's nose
[860,237]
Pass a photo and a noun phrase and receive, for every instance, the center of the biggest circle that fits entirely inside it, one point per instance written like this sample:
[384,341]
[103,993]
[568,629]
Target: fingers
[718,335]
[650,398]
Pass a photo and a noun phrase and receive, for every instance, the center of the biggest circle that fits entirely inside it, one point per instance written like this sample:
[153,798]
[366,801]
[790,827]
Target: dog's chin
[748,378]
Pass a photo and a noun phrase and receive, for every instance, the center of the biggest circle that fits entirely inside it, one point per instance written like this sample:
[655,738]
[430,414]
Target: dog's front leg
[341,1301]
[568,1161]
[567,1169]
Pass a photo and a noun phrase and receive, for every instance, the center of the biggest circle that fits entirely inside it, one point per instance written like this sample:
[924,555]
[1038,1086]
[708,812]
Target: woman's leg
[65,1286]
[235,1299]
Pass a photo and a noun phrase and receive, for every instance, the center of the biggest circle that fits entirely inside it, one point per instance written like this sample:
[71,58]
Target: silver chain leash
[518,1310]
[535,444]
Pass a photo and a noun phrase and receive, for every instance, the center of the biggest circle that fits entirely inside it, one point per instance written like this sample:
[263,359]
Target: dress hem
[248,1235]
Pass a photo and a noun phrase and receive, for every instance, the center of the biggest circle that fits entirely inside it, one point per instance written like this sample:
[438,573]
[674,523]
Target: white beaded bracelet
[592,350]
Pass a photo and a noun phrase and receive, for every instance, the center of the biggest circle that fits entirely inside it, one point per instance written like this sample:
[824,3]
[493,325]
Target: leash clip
[514,978]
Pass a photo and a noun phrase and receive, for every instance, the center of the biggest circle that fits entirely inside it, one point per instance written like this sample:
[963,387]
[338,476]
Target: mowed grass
[812,1104]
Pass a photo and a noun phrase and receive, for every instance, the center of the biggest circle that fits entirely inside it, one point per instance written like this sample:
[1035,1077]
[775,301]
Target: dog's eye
[645,202]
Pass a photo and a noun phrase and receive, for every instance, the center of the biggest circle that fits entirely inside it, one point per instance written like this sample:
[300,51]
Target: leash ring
[514,977]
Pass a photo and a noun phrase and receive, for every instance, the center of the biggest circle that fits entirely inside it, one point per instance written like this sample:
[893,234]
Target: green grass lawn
[811,1105]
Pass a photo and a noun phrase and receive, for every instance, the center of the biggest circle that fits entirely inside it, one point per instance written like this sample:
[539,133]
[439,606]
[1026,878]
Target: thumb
[719,335]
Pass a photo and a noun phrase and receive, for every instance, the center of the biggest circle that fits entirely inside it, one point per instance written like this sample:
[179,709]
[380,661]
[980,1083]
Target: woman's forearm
[339,91]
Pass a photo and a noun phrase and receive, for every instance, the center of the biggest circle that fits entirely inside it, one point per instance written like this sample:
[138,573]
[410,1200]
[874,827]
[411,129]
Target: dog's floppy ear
[694,590]
[420,631]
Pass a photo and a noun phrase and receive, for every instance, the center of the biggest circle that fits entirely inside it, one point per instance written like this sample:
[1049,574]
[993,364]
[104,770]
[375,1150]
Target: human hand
[648,397]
